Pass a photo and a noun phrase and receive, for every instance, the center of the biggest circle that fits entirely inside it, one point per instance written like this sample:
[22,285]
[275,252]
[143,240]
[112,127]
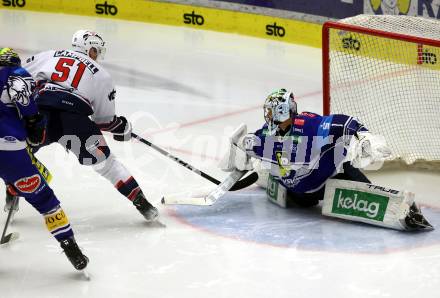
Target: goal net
[385,70]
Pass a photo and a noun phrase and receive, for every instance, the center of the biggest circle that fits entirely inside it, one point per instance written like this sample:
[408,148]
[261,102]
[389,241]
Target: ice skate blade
[85,274]
[9,238]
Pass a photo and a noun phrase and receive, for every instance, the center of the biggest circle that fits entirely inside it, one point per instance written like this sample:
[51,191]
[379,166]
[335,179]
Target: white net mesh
[391,85]
[407,25]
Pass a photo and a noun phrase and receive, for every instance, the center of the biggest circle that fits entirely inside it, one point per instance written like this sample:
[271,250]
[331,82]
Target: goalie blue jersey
[312,151]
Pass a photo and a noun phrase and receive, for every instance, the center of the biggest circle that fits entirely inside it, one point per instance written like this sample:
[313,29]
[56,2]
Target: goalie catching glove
[366,149]
[236,156]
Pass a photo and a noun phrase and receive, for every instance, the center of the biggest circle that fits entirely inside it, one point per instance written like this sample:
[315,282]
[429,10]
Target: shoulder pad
[20,89]
[20,71]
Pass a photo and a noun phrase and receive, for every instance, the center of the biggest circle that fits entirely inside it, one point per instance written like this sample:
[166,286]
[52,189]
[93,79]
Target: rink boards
[196,17]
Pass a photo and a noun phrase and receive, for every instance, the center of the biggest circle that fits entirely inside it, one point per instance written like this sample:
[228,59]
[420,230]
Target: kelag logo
[14,3]
[275,30]
[351,43]
[106,9]
[193,18]
[359,204]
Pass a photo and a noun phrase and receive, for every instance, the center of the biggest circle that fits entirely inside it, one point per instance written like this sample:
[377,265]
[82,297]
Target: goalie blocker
[372,204]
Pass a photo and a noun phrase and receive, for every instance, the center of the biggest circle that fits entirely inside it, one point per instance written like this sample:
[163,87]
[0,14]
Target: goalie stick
[11,236]
[212,197]
[239,184]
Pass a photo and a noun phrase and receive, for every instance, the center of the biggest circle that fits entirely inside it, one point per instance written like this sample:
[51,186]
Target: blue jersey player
[20,125]
[297,154]
[301,152]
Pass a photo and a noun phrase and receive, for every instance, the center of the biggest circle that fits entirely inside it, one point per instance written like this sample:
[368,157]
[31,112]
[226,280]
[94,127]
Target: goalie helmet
[9,58]
[279,106]
[84,40]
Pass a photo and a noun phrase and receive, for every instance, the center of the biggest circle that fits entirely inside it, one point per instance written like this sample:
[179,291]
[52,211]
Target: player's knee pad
[372,204]
[95,151]
[89,151]
[112,170]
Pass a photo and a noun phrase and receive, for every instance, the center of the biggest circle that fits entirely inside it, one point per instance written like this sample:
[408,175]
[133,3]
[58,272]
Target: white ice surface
[187,90]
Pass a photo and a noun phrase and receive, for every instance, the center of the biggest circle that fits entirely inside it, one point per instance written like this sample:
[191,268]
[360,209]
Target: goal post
[385,70]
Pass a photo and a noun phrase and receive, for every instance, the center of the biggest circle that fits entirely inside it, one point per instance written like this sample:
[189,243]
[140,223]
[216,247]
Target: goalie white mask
[84,40]
[279,106]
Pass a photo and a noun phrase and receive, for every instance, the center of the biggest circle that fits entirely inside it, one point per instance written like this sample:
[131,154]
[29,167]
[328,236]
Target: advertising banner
[338,9]
[425,8]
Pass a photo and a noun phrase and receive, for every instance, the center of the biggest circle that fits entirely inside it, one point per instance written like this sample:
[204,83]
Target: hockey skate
[11,206]
[149,212]
[11,203]
[415,219]
[74,254]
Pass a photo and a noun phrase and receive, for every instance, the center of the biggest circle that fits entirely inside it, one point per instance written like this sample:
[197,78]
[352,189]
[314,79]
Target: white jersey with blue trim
[73,73]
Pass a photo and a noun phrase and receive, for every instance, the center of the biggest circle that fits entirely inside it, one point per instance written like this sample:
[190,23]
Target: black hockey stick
[6,238]
[245,182]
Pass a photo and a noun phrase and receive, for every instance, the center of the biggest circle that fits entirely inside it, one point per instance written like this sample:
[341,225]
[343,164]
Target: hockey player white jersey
[73,81]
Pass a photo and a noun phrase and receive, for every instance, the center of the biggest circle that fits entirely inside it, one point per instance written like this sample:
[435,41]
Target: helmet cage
[278,107]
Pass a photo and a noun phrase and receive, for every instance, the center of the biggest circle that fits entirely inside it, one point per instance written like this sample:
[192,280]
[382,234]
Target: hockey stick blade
[212,197]
[200,201]
[10,237]
[225,186]
[252,178]
[204,201]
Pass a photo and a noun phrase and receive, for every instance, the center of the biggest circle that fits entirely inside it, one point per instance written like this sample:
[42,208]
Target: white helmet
[279,106]
[84,40]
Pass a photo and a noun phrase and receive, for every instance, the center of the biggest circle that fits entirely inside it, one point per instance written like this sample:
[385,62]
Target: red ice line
[213,118]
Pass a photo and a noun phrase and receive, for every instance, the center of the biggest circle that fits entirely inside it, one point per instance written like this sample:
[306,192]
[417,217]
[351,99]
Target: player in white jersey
[77,95]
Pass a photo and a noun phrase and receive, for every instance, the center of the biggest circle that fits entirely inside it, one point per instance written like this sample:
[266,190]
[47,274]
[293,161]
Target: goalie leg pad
[276,192]
[372,204]
[263,170]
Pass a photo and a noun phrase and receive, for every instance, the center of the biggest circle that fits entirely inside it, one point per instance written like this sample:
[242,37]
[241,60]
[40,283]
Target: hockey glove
[366,149]
[236,157]
[36,129]
[122,132]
